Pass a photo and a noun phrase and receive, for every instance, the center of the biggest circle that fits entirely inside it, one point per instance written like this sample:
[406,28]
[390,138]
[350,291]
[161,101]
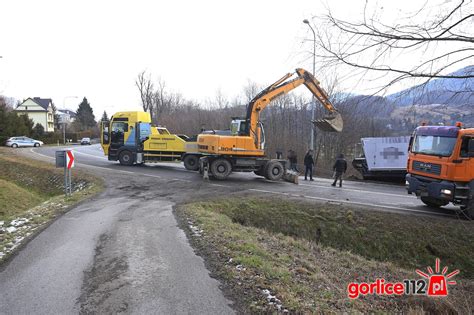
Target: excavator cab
[238,126]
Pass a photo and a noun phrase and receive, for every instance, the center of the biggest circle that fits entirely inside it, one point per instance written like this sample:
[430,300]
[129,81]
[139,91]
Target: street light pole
[65,122]
[311,138]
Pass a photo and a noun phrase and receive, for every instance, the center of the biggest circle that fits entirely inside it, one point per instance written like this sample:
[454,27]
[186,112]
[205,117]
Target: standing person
[308,164]
[293,160]
[340,167]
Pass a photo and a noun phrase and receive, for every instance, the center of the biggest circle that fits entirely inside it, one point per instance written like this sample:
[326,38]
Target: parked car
[16,142]
[86,141]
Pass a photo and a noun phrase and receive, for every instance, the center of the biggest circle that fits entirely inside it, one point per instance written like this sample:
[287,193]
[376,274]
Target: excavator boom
[332,122]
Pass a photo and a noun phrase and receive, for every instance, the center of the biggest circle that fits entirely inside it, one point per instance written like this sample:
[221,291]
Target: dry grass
[275,243]
[33,190]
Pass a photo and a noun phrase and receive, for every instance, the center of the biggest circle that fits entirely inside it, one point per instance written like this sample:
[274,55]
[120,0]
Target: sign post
[65,159]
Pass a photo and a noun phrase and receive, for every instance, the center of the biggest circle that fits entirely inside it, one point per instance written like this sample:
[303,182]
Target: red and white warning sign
[69,159]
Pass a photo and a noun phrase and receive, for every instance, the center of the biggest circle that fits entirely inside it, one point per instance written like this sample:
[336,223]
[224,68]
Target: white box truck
[384,157]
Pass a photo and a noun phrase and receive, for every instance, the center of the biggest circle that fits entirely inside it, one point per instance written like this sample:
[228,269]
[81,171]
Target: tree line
[12,124]
[287,120]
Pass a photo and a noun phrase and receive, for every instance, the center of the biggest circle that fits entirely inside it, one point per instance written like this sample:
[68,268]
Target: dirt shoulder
[31,195]
[282,255]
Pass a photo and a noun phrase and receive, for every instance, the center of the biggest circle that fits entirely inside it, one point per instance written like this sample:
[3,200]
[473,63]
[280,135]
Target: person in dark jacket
[339,167]
[308,164]
[293,160]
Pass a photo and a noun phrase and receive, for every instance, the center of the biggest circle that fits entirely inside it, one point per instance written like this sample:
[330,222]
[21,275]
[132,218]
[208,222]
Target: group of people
[339,166]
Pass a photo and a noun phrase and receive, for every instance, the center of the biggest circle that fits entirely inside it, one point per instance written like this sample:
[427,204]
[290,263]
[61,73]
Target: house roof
[69,112]
[43,102]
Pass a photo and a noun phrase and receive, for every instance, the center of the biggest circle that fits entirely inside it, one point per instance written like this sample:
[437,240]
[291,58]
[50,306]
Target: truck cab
[441,166]
[130,138]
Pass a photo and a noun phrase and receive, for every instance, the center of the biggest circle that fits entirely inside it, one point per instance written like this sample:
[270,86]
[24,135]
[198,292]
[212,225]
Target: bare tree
[407,48]
[145,86]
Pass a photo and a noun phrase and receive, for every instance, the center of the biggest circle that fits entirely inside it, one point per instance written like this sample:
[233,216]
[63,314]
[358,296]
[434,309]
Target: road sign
[69,159]
[60,158]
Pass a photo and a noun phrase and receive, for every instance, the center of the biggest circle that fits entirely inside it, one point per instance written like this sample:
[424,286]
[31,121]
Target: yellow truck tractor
[130,138]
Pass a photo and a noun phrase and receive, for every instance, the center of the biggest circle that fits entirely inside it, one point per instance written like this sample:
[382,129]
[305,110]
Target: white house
[65,116]
[40,110]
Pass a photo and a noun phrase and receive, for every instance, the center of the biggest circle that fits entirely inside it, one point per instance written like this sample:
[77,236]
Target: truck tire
[433,202]
[221,168]
[126,158]
[274,170]
[191,162]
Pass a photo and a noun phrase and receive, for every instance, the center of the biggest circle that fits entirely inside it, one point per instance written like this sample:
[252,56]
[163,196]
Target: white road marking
[94,156]
[219,185]
[345,201]
[109,169]
[354,190]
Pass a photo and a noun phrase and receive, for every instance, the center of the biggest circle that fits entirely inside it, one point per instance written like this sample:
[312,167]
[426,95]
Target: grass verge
[280,254]
[31,195]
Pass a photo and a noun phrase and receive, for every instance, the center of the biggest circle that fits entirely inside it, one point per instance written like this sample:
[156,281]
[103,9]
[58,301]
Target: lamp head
[305,21]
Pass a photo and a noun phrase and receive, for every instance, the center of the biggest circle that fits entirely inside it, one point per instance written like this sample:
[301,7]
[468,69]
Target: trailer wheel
[274,170]
[191,162]
[433,202]
[126,158]
[221,168]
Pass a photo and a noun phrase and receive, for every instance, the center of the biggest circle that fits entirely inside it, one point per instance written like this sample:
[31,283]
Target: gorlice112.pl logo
[434,284]
[438,281]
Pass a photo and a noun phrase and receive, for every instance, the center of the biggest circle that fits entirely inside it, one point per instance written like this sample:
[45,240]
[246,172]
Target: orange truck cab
[440,166]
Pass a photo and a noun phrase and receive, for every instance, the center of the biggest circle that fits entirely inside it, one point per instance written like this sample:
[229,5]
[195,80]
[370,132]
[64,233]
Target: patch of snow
[19,222]
[196,231]
[11,229]
[2,223]
[273,300]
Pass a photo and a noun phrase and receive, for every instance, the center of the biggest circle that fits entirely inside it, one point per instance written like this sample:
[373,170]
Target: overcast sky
[57,49]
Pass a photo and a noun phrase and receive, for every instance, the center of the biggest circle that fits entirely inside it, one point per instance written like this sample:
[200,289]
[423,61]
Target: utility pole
[313,130]
[64,121]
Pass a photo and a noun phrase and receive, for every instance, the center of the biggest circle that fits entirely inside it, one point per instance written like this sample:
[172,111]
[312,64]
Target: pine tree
[85,116]
[104,117]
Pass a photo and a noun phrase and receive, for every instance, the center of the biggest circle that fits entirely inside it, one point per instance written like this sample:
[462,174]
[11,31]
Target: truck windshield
[433,145]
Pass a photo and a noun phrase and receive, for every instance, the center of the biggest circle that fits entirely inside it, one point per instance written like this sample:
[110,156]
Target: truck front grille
[425,167]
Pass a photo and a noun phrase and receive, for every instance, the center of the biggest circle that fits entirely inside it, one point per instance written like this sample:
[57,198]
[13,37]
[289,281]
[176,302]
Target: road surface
[124,252]
[384,197]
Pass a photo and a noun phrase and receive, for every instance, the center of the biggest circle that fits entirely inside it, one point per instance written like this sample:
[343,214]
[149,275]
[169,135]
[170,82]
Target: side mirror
[470,148]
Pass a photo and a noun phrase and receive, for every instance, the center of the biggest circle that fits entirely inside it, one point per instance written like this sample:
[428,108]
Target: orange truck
[440,167]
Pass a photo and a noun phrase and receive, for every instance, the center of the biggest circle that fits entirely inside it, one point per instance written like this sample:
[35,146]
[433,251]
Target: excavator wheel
[221,168]
[274,170]
[191,162]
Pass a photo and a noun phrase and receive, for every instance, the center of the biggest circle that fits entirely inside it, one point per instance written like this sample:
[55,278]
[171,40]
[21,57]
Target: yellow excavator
[242,148]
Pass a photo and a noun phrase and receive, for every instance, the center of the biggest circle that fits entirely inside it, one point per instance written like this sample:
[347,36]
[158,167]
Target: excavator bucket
[331,123]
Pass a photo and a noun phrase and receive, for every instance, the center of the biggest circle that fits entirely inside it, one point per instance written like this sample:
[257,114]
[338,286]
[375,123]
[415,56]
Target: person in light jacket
[339,167]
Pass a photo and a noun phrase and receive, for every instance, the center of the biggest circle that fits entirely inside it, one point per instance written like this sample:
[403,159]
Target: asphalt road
[383,197]
[124,252]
